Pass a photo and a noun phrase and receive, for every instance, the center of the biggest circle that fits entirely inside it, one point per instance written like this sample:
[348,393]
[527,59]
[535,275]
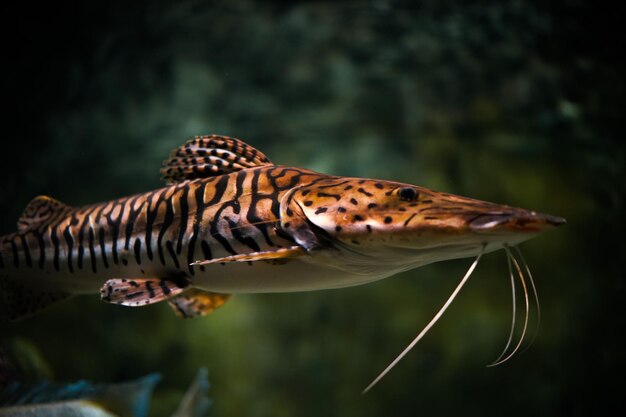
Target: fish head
[401,226]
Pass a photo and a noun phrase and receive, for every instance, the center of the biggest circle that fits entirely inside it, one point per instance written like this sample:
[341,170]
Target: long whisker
[512,332]
[428,326]
[523,281]
[535,294]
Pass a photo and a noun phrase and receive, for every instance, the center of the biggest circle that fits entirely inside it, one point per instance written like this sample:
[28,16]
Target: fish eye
[408,194]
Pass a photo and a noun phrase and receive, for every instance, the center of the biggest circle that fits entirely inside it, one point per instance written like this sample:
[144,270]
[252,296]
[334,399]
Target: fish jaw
[387,227]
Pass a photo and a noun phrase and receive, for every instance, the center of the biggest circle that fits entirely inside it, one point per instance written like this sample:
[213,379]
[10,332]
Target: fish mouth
[518,221]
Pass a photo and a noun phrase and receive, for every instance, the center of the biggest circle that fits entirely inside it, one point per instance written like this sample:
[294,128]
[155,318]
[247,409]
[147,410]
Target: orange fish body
[230,222]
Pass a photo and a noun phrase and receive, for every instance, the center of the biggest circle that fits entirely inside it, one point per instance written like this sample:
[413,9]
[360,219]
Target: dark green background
[514,102]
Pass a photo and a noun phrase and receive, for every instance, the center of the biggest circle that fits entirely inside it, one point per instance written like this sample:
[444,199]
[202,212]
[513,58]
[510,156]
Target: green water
[513,102]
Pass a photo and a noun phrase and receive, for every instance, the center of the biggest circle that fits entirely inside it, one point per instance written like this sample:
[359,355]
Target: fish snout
[514,221]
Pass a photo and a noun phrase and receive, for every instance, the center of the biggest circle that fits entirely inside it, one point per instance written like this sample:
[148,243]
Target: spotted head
[362,222]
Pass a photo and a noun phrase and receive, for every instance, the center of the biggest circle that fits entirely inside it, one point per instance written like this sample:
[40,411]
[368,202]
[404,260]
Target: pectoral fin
[141,291]
[195,303]
[277,255]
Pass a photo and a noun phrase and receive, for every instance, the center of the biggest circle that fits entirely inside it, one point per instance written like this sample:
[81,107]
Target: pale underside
[339,267]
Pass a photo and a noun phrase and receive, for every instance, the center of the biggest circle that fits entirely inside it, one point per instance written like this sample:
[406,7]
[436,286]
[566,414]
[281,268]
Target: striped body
[230,222]
[160,233]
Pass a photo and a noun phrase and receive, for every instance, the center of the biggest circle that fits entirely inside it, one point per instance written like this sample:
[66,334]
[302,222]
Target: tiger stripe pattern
[273,228]
[168,228]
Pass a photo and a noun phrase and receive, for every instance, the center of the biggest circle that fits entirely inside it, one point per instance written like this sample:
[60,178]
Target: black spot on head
[349,187]
[341,210]
[321,210]
[308,203]
[353,201]
[371,205]
[335,196]
[357,218]
[369,228]
[378,185]
[337,228]
[305,192]
[388,220]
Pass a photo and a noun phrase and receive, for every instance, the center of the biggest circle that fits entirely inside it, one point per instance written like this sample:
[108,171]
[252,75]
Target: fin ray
[196,303]
[141,291]
[277,255]
[40,211]
[207,156]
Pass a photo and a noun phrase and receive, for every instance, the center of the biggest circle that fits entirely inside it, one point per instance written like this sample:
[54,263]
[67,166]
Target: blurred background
[515,102]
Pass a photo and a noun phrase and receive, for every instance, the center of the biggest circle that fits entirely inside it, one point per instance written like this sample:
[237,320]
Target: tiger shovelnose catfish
[230,221]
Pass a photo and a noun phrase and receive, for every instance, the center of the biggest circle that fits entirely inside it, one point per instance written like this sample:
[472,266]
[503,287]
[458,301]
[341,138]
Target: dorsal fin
[41,210]
[206,156]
